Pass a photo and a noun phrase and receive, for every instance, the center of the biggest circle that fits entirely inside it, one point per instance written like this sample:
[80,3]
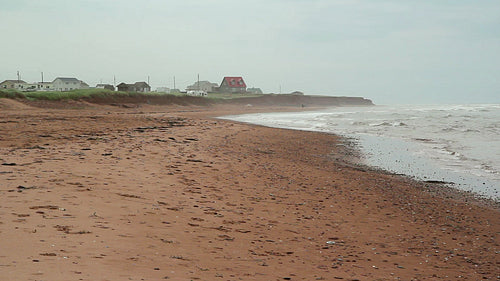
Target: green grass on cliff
[70,95]
[227,96]
[11,94]
[103,93]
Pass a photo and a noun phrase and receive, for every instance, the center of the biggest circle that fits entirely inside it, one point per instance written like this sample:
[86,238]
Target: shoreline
[170,192]
[352,158]
[391,155]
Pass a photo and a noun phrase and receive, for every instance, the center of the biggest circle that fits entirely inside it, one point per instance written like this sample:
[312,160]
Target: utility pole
[114,81]
[174,83]
[18,77]
[42,77]
[198,81]
[148,79]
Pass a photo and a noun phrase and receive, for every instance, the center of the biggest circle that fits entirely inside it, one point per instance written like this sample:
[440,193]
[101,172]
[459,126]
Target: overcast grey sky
[392,51]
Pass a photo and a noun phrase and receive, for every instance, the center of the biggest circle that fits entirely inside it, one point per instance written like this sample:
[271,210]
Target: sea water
[457,144]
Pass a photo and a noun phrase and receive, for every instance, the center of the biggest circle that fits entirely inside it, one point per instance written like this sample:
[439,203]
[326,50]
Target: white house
[205,86]
[67,84]
[11,84]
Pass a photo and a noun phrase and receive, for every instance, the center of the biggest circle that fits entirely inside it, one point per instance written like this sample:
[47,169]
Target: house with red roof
[233,85]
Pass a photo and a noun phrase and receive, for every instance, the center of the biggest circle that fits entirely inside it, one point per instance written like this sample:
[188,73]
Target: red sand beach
[168,192]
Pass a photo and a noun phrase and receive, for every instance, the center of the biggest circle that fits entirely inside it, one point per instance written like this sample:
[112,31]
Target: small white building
[45,86]
[105,86]
[26,87]
[196,93]
[163,90]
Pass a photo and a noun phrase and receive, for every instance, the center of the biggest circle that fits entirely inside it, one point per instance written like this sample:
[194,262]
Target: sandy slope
[10,104]
[157,193]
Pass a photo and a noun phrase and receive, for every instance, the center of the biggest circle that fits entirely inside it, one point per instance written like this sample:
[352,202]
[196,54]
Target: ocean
[457,144]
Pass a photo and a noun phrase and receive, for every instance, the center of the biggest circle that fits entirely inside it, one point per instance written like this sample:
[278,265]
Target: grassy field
[70,95]
[101,93]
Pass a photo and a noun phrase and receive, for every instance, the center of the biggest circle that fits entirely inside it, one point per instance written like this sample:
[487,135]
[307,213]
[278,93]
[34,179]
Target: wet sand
[168,192]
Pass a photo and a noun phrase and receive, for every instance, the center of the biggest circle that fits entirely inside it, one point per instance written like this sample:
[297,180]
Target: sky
[390,51]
